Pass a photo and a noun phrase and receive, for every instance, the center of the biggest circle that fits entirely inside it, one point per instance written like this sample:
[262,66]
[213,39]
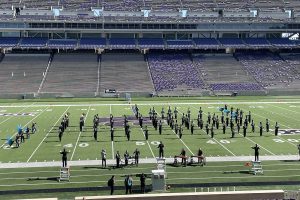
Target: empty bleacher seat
[33,42]
[180,44]
[152,43]
[92,43]
[9,41]
[62,43]
[206,42]
[122,43]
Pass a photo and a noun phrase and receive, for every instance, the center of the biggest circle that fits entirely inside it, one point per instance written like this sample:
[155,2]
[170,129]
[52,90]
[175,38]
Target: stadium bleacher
[180,44]
[268,69]
[146,43]
[170,71]
[71,73]
[224,72]
[62,43]
[125,72]
[33,42]
[8,42]
[22,73]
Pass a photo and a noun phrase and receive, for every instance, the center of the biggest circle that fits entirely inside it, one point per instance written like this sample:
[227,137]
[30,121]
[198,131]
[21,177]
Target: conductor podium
[159,175]
[256,167]
[158,180]
[64,174]
[161,165]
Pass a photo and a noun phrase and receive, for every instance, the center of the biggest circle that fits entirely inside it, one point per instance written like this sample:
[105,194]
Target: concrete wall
[245,195]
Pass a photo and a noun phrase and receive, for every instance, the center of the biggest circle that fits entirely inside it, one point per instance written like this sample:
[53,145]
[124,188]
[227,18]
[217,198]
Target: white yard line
[259,145]
[80,134]
[282,115]
[144,136]
[148,144]
[26,124]
[223,146]
[279,124]
[150,103]
[285,109]
[17,113]
[46,136]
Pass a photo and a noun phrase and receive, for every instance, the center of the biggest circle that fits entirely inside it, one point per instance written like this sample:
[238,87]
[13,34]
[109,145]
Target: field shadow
[43,179]
[52,141]
[291,161]
[237,172]
[95,167]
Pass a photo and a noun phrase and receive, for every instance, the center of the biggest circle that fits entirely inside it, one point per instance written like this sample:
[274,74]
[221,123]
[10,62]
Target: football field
[226,156]
[44,145]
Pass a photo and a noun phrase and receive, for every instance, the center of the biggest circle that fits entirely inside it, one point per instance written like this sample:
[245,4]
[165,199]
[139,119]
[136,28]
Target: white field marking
[148,143]
[264,117]
[145,138]
[103,175]
[285,109]
[112,150]
[178,136]
[149,104]
[143,168]
[237,177]
[222,146]
[17,113]
[121,180]
[250,140]
[79,134]
[279,124]
[281,114]
[259,145]
[215,139]
[46,135]
[110,109]
[26,125]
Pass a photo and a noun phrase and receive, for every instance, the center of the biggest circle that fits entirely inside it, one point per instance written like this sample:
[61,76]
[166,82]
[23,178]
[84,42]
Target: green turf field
[45,146]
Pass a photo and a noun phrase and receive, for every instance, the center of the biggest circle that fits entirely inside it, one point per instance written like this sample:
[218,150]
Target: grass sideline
[94,176]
